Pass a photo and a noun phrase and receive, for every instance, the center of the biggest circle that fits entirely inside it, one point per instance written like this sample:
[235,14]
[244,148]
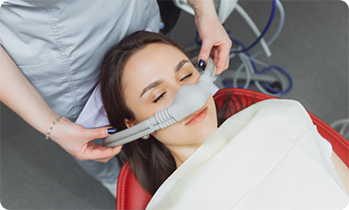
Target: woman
[50,56]
[141,75]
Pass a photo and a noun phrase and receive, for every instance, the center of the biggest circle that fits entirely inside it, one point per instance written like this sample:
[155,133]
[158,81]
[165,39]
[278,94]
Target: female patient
[141,75]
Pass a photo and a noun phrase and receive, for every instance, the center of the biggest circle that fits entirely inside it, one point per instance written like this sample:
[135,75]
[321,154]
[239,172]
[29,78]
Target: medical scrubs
[59,46]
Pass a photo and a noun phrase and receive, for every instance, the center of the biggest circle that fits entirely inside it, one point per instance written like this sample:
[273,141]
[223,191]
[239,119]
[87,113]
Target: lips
[197,116]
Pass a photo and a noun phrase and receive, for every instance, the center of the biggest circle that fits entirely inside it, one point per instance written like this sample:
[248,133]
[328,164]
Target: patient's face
[151,79]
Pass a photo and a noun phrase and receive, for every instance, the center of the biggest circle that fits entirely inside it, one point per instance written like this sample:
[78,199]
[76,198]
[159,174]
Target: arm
[18,94]
[216,42]
[342,170]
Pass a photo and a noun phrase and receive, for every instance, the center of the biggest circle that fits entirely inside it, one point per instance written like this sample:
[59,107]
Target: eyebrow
[180,65]
[159,82]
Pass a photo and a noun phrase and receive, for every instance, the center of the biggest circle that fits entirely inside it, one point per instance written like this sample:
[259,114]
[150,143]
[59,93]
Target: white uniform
[59,46]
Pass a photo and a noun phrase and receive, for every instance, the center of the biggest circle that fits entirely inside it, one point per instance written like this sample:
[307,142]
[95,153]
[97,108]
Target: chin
[205,129]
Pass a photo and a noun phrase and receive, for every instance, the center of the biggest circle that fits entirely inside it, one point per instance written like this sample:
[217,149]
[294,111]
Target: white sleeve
[214,89]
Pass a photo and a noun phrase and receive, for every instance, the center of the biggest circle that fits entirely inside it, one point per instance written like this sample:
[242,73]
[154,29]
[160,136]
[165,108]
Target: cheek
[143,112]
[170,135]
[179,134]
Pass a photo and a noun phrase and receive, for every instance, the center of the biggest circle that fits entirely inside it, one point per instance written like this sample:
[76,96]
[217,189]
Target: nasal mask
[188,100]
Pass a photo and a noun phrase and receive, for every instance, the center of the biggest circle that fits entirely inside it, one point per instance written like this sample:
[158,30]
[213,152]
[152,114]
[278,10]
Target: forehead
[151,61]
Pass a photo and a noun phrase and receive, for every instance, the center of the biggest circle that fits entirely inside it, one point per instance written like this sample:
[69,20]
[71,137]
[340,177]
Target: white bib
[268,156]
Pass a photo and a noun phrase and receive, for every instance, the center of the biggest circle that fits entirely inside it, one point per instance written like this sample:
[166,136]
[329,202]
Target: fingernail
[201,63]
[111,130]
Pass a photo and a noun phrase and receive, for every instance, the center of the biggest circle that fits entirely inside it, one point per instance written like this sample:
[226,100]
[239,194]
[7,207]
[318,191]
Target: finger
[99,152]
[97,133]
[223,58]
[104,160]
[205,50]
[215,55]
[226,65]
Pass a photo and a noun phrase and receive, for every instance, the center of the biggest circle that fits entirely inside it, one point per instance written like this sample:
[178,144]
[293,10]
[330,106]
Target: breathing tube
[188,100]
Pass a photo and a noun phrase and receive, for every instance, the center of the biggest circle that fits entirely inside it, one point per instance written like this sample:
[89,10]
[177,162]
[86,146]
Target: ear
[130,123]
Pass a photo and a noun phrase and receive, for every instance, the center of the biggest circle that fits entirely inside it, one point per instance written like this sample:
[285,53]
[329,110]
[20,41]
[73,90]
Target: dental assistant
[50,58]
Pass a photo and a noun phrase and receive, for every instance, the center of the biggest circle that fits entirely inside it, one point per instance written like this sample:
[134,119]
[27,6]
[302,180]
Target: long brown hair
[150,160]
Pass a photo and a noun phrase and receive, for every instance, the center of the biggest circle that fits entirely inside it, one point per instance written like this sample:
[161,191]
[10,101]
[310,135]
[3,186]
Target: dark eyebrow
[180,65]
[151,86]
[159,82]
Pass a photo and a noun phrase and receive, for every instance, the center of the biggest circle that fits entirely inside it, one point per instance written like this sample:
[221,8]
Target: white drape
[268,156]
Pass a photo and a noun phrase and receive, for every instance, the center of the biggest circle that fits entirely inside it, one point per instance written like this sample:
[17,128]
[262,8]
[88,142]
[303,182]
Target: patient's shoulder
[281,102]
[287,109]
[274,111]
[282,105]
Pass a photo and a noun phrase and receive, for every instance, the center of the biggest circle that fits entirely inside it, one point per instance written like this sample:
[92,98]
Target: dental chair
[130,195]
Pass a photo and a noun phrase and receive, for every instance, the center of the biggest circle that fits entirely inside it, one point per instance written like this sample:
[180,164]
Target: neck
[182,153]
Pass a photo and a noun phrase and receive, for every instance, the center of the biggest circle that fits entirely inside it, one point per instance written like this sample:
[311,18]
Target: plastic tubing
[248,75]
[245,63]
[251,58]
[264,31]
[285,73]
[248,63]
[254,28]
[246,51]
[282,80]
[281,24]
[344,122]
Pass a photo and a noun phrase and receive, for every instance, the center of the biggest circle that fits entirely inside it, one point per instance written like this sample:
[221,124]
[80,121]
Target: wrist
[57,132]
[203,8]
[43,121]
[51,127]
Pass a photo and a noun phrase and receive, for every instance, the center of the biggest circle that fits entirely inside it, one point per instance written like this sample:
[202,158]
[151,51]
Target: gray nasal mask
[188,100]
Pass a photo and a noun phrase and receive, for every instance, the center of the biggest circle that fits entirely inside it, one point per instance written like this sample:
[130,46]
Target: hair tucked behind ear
[151,162]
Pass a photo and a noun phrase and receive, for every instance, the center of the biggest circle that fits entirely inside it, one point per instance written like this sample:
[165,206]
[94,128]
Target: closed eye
[158,98]
[189,75]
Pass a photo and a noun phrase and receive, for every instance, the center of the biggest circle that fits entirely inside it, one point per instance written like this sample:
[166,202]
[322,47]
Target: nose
[183,105]
[176,86]
[190,98]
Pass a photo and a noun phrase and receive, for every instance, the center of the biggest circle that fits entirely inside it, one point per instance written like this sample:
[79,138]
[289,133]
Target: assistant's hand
[19,95]
[215,41]
[76,140]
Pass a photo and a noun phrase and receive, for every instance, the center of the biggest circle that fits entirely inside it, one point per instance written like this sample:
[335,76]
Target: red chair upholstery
[130,195]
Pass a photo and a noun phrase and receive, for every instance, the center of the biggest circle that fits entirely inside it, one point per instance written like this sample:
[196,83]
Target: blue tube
[243,50]
[264,31]
[285,73]
[263,72]
[246,50]
[248,54]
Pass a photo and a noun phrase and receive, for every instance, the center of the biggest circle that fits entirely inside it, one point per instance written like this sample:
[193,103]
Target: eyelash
[158,98]
[189,75]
